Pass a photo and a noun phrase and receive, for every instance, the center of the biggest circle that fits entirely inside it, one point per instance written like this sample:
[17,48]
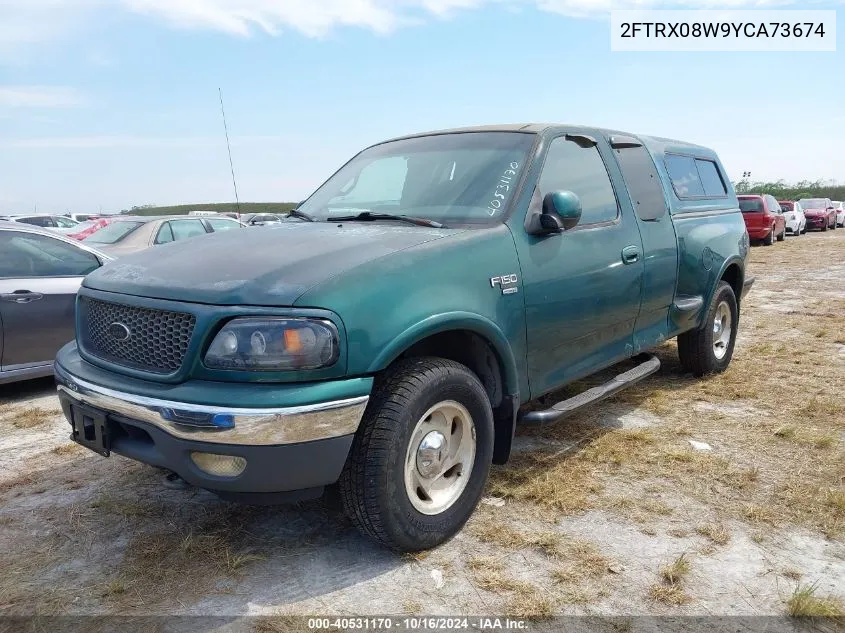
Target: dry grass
[411,607]
[805,603]
[67,449]
[676,571]
[716,532]
[482,564]
[33,417]
[507,537]
[23,479]
[669,594]
[530,603]
[791,573]
[496,581]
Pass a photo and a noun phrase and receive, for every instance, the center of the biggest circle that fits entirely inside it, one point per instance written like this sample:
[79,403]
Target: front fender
[452,321]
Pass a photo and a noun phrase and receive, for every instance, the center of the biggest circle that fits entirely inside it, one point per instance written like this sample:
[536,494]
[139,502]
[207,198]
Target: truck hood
[267,266]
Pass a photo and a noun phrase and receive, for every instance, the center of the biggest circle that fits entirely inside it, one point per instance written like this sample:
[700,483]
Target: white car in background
[840,212]
[796,221]
[59,223]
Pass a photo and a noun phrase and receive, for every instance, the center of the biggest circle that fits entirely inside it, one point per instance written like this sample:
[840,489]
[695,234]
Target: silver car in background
[40,272]
[131,234]
[54,222]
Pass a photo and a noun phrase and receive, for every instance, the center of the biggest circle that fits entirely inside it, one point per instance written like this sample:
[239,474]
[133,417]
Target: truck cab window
[581,170]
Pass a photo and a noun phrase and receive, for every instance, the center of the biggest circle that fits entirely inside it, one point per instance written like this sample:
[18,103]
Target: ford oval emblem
[119,332]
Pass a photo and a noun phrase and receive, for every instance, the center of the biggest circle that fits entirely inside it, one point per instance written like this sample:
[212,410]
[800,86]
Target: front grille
[153,340]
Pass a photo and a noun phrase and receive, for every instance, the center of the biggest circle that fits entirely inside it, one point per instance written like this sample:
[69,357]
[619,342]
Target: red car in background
[763,218]
[84,229]
[820,213]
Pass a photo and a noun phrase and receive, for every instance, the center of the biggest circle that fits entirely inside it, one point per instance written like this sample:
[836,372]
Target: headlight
[274,344]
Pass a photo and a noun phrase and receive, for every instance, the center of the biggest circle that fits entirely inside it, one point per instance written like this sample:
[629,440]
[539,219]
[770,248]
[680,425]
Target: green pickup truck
[384,339]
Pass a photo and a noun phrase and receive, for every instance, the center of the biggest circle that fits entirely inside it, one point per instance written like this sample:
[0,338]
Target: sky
[107,104]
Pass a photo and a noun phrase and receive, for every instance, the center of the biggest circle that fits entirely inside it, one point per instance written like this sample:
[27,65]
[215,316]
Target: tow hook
[173,481]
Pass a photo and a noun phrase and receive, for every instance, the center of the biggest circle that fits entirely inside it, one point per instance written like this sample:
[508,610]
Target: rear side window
[710,177]
[787,206]
[165,234]
[570,167]
[38,220]
[684,176]
[643,182]
[183,229]
[218,224]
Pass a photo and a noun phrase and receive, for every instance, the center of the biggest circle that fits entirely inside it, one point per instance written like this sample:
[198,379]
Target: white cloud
[27,22]
[40,97]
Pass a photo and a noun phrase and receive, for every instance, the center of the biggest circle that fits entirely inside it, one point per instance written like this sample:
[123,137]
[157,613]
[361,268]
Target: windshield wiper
[369,216]
[296,213]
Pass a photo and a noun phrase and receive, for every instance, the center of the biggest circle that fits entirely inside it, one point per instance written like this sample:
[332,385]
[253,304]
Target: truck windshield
[459,178]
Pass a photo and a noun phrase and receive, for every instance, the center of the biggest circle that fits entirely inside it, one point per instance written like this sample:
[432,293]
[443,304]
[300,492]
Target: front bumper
[816,222]
[286,448]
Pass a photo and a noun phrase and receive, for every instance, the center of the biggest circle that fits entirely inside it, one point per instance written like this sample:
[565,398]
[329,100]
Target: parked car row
[769,220]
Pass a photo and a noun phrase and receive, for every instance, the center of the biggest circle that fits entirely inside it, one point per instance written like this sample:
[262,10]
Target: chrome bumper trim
[222,425]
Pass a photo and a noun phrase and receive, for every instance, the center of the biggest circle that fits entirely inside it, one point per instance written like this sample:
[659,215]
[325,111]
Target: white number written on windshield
[503,187]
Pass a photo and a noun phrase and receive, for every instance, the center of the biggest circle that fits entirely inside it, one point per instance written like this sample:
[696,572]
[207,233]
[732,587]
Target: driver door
[582,287]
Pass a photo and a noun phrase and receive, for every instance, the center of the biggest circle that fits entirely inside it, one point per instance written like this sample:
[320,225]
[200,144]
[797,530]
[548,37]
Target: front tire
[421,456]
[709,349]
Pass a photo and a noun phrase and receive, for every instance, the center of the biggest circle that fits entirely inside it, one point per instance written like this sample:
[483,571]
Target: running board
[562,409]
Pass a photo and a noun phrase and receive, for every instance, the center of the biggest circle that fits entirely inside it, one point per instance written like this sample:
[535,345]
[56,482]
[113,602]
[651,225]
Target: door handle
[631,254]
[21,296]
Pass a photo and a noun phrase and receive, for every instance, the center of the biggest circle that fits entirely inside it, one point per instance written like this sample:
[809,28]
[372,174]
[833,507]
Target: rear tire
[770,238]
[399,455]
[709,349]
[782,235]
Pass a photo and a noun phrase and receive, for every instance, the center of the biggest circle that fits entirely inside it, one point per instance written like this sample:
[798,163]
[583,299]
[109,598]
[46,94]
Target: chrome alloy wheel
[440,456]
[722,328]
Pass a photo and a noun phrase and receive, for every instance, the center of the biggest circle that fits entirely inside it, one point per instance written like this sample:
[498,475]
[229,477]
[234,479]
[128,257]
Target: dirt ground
[614,512]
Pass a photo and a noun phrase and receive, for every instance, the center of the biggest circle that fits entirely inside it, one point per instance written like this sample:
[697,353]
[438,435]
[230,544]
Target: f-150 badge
[506,282]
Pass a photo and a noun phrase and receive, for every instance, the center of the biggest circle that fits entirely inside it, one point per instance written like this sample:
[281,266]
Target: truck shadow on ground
[94,535]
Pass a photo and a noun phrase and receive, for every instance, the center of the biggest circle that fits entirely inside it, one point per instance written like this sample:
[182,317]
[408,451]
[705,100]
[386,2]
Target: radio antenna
[229,149]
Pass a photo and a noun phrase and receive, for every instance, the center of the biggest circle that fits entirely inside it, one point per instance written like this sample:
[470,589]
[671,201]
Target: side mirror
[561,211]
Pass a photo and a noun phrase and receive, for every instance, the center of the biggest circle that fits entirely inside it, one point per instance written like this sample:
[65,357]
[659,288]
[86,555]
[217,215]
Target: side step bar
[562,409]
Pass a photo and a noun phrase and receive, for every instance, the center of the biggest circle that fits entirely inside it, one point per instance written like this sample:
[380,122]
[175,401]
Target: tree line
[218,207]
[783,190]
[780,189]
